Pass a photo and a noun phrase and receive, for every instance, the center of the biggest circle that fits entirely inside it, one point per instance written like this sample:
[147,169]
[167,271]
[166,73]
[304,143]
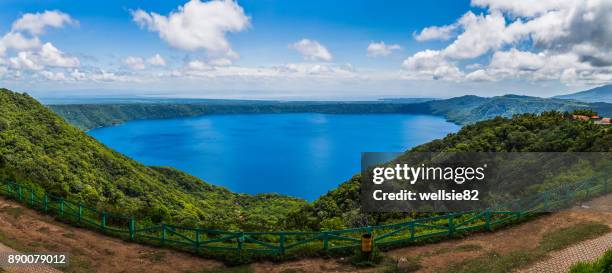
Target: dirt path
[26,230]
[436,257]
[562,260]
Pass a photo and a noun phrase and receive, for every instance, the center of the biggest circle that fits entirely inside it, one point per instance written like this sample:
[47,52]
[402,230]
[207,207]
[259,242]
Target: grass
[14,212]
[412,264]
[495,263]
[603,264]
[13,243]
[571,235]
[78,265]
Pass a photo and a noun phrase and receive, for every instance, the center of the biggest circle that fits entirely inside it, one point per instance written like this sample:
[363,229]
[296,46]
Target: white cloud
[24,60]
[26,55]
[522,8]
[135,63]
[479,75]
[436,33]
[139,63]
[54,76]
[156,60]
[381,49]
[16,41]
[430,64]
[562,40]
[198,65]
[312,50]
[221,62]
[35,23]
[47,56]
[481,33]
[51,56]
[78,75]
[197,25]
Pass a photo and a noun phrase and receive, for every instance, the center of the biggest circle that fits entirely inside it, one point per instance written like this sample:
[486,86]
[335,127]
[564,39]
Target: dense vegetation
[38,147]
[548,132]
[461,110]
[87,116]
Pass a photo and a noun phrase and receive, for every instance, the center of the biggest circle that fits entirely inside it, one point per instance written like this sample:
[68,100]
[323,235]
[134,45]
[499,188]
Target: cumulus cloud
[381,49]
[565,40]
[139,63]
[524,8]
[312,50]
[16,41]
[157,60]
[136,63]
[47,56]
[35,23]
[198,65]
[24,52]
[436,33]
[197,25]
[430,64]
[54,76]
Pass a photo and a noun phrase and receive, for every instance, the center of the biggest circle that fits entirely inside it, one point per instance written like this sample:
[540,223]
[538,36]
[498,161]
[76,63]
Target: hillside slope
[40,148]
[598,94]
[548,132]
[470,109]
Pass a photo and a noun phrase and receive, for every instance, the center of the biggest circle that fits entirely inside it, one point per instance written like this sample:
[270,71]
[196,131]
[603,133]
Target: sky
[263,49]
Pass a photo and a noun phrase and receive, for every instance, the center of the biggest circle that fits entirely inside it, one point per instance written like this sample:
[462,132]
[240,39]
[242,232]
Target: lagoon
[303,155]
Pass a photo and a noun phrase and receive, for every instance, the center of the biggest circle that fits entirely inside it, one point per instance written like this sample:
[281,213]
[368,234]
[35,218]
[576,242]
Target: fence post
[9,188]
[451,225]
[163,235]
[19,193]
[325,241]
[103,220]
[132,228]
[568,196]
[61,207]
[32,197]
[488,219]
[46,202]
[411,228]
[282,243]
[240,240]
[80,212]
[197,238]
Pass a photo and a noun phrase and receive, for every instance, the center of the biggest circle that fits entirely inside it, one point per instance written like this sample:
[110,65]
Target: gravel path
[562,260]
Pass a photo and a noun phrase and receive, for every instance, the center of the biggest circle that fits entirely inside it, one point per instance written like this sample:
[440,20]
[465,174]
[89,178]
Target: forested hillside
[548,132]
[461,110]
[38,147]
[598,94]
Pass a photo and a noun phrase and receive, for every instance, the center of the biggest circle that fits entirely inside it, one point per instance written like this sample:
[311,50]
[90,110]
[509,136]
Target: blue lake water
[302,155]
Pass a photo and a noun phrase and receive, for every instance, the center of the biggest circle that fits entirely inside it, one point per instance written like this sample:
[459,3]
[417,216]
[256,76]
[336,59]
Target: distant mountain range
[599,94]
[460,110]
